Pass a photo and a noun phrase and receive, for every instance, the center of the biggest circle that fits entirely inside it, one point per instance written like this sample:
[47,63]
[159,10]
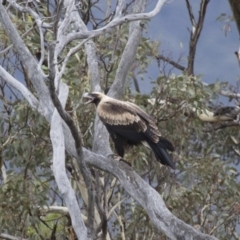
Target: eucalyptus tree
[59,177]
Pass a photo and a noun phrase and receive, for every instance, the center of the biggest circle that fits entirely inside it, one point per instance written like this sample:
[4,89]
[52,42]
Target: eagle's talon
[128,163]
[116,157]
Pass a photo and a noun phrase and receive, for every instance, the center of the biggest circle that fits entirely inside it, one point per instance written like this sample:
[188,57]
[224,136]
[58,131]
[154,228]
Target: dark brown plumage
[128,124]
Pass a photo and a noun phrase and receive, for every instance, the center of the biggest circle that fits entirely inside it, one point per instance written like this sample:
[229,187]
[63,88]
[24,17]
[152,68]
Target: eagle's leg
[118,158]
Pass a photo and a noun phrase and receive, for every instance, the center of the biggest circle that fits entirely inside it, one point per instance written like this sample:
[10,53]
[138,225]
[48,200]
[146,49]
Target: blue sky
[215,57]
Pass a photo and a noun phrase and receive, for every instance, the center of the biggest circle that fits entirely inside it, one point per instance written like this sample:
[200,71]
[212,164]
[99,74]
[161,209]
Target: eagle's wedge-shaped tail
[160,151]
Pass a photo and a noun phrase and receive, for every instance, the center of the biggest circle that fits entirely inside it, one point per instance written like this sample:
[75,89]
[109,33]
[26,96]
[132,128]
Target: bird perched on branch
[219,114]
[128,124]
[210,113]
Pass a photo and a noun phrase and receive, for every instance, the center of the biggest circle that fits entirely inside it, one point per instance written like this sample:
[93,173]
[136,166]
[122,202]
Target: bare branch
[74,131]
[73,17]
[28,61]
[136,85]
[20,87]
[148,198]
[173,63]
[115,206]
[65,24]
[195,33]
[54,209]
[117,21]
[223,222]
[129,53]
[57,138]
[119,8]
[90,48]
[102,213]
[191,15]
[39,23]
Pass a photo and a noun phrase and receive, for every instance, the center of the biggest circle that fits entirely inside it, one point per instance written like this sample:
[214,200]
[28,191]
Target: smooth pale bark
[59,170]
[61,137]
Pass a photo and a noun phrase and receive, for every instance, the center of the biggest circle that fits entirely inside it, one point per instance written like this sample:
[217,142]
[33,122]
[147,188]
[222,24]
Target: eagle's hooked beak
[88,96]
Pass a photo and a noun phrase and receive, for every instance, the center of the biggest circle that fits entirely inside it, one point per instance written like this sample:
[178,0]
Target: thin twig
[175,64]
[195,33]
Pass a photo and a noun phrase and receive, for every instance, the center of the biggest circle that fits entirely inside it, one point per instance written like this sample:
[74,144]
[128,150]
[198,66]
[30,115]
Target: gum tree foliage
[57,178]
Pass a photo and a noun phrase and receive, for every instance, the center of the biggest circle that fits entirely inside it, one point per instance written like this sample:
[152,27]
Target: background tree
[55,187]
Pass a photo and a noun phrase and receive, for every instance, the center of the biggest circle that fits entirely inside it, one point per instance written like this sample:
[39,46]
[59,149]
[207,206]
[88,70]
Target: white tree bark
[128,56]
[59,170]
[61,137]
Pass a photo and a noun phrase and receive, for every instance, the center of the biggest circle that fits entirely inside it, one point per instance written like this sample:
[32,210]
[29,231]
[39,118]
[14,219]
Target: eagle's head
[93,97]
